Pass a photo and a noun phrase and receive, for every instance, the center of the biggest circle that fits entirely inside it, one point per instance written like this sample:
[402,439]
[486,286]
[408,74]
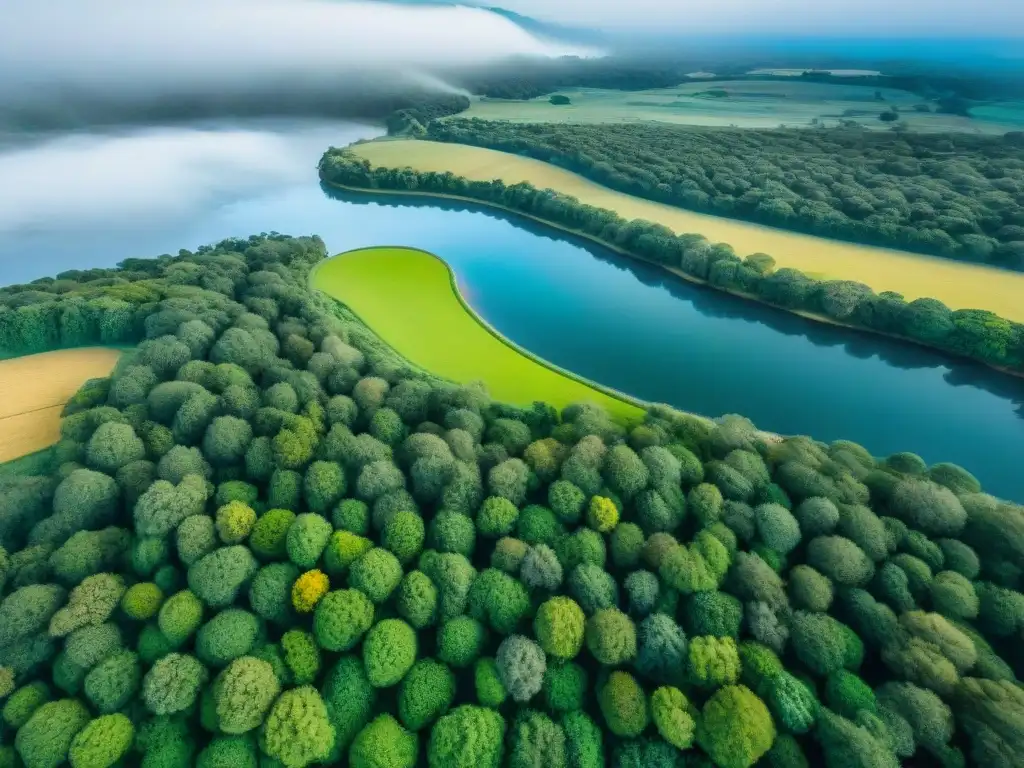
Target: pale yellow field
[33,391]
[749,104]
[959,285]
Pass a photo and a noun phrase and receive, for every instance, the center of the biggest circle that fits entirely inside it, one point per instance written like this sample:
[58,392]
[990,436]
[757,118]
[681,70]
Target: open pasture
[747,104]
[33,390]
[960,285]
[409,298]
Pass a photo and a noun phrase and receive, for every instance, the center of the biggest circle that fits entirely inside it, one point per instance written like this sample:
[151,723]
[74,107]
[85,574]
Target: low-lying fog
[127,128]
[93,199]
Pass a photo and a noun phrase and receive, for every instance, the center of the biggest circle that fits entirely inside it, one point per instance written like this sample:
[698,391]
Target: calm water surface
[584,308]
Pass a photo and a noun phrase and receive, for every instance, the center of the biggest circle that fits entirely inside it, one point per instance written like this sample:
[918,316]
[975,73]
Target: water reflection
[712,303]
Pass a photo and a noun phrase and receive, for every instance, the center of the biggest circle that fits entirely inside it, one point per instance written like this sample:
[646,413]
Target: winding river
[606,317]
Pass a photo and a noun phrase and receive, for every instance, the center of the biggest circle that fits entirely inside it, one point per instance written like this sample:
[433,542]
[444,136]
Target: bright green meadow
[409,298]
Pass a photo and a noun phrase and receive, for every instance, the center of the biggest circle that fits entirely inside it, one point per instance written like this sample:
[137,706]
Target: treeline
[268,541]
[972,333]
[955,195]
[529,78]
[414,119]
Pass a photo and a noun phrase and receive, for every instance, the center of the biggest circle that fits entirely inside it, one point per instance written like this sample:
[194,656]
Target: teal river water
[628,325]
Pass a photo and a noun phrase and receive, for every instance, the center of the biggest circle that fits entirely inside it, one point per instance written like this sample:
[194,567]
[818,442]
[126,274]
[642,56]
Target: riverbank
[678,273]
[959,285]
[410,299]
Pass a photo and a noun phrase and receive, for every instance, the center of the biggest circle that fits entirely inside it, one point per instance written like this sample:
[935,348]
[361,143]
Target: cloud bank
[136,179]
[70,59]
[844,18]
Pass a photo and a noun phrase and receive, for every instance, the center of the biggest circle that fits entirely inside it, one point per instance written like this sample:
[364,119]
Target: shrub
[173,683]
[349,698]
[298,731]
[611,637]
[593,588]
[452,532]
[712,662]
[416,600]
[23,702]
[736,728]
[308,589]
[235,521]
[268,537]
[535,739]
[228,635]
[102,743]
[673,716]
[809,590]
[195,538]
[953,596]
[538,525]
[777,527]
[389,652]
[384,742]
[113,682]
[307,538]
[602,514]
[792,702]
[460,641]
[623,705]
[180,616]
[90,603]
[301,656]
[217,578]
[928,507]
[642,591]
[847,694]
[426,694]
[566,501]
[714,613]
[270,592]
[376,574]
[840,559]
[45,740]
[661,654]
[559,626]
[540,567]
[341,618]
[243,694]
[565,686]
[626,544]
[496,518]
[490,691]
[403,536]
[819,641]
[343,549]
[521,665]
[498,600]
[113,446]
[352,515]
[467,737]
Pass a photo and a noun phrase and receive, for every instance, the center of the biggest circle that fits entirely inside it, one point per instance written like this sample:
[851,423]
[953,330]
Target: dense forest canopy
[972,333]
[266,540]
[954,195]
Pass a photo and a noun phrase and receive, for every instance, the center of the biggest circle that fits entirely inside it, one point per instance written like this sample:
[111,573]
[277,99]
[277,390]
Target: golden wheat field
[960,285]
[33,390]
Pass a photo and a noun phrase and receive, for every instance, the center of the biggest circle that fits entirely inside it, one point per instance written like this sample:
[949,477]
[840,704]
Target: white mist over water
[149,177]
[61,56]
[81,197]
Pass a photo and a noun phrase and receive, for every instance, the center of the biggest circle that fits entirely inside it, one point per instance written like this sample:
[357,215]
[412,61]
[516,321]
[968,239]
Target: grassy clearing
[408,298]
[960,285]
[749,104]
[33,390]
